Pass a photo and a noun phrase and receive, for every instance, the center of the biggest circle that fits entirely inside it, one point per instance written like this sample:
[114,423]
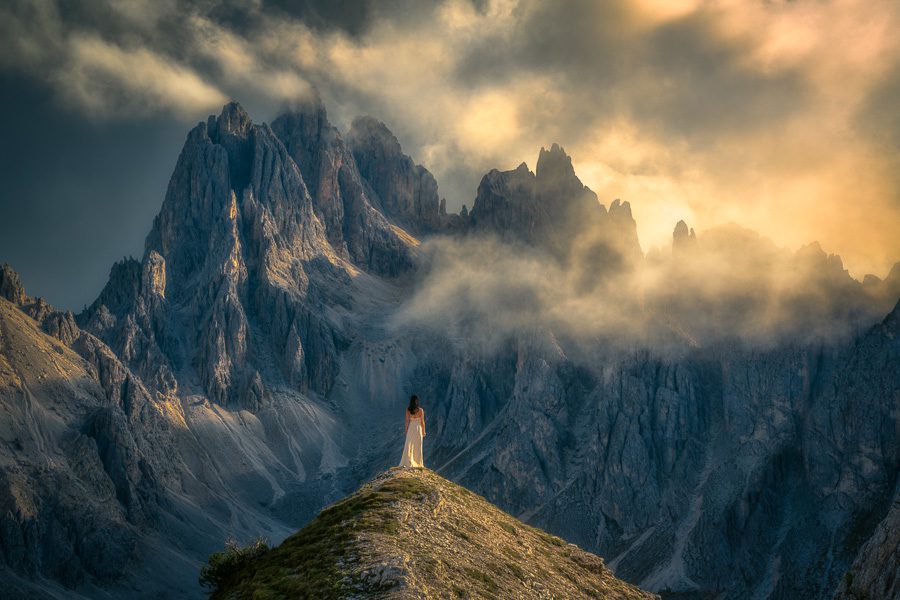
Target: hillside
[413,534]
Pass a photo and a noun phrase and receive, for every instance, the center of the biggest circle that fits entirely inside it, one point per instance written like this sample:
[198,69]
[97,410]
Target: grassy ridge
[409,533]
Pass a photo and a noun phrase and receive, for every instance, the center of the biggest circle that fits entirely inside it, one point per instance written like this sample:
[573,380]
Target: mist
[725,285]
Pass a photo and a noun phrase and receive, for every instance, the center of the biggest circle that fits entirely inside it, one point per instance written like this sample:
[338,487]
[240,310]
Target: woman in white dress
[415,431]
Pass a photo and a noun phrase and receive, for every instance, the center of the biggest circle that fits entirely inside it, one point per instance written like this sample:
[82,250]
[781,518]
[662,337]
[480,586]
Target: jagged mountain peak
[232,120]
[11,285]
[356,226]
[122,287]
[554,163]
[410,533]
[231,130]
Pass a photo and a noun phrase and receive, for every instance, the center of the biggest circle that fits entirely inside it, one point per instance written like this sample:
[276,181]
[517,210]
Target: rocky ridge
[410,533]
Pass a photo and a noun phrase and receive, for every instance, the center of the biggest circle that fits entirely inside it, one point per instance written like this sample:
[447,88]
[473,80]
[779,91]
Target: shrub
[222,566]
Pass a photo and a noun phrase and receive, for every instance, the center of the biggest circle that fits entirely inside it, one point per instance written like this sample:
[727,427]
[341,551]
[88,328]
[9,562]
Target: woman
[415,431]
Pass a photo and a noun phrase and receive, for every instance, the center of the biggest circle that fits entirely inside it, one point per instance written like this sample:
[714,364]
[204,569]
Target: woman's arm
[423,421]
[406,429]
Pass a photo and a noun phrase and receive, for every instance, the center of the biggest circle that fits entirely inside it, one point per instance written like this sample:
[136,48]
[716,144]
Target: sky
[780,116]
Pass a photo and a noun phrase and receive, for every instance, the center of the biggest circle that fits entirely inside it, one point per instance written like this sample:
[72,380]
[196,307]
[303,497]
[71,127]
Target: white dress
[412,450]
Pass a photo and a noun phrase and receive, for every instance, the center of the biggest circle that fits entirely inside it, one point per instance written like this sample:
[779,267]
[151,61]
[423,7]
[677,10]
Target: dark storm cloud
[683,77]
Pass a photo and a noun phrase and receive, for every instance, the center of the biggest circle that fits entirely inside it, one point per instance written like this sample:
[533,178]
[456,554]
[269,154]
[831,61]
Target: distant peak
[554,163]
[554,149]
[683,236]
[369,132]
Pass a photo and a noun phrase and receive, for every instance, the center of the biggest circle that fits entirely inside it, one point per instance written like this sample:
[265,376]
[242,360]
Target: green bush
[222,566]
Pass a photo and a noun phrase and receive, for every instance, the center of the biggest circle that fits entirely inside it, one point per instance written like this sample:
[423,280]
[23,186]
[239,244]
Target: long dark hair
[413,404]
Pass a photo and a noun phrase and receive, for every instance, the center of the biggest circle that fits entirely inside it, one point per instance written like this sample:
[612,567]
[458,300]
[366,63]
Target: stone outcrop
[10,285]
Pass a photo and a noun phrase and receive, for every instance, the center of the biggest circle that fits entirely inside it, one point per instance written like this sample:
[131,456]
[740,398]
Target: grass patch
[483,578]
[509,528]
[516,570]
[459,532]
[552,539]
[309,563]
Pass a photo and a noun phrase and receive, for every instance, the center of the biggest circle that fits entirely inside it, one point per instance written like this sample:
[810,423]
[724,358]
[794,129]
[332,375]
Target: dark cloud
[682,77]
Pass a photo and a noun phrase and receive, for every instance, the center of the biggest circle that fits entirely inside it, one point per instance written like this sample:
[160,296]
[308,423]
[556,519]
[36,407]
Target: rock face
[355,229]
[413,534]
[735,436]
[406,192]
[10,285]
[231,274]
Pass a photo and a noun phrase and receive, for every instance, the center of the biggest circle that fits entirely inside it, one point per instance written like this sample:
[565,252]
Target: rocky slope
[718,420]
[102,485]
[410,533]
[876,571]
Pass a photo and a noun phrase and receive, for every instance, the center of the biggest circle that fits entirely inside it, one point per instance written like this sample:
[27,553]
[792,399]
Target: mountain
[551,208]
[413,534]
[715,420]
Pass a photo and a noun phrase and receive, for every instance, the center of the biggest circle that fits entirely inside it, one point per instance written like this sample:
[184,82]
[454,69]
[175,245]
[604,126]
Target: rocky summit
[410,533]
[718,419]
